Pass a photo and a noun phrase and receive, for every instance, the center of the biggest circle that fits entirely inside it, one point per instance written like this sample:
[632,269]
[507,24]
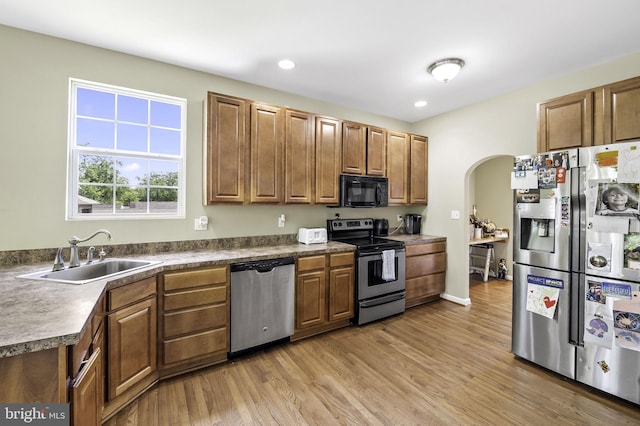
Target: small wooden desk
[488,257]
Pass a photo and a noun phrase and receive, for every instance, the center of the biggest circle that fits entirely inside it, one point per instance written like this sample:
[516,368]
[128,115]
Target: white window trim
[72,163]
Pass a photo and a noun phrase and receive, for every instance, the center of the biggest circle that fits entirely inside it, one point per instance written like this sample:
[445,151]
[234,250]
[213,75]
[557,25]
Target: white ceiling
[370,55]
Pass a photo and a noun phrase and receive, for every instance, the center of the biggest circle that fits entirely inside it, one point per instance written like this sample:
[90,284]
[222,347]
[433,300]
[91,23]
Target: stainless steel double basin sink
[92,272]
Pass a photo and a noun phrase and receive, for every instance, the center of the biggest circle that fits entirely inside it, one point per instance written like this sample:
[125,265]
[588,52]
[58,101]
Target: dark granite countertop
[38,315]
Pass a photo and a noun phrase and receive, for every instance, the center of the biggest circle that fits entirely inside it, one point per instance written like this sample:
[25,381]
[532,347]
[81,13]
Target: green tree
[99,169]
[162,186]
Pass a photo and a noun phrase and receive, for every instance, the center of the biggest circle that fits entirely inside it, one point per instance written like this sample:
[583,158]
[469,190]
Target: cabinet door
[267,154]
[341,293]
[311,299]
[132,341]
[354,148]
[398,167]
[299,158]
[328,153]
[566,122]
[419,161]
[86,393]
[377,152]
[621,111]
[226,160]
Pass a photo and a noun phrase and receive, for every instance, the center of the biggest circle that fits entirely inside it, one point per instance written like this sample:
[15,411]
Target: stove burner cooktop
[359,232]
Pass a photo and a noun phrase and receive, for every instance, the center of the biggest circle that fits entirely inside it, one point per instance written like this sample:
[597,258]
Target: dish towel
[388,265]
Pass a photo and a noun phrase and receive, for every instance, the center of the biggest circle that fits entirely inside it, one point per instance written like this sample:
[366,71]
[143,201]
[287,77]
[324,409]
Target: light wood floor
[437,364]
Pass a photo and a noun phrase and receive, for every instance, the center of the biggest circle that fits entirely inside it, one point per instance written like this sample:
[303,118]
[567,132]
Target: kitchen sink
[92,272]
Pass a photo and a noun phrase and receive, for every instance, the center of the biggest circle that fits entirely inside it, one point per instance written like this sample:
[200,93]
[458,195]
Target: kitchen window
[126,153]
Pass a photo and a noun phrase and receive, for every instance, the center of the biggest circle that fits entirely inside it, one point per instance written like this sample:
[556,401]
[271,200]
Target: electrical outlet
[400,219]
[201,223]
[281,221]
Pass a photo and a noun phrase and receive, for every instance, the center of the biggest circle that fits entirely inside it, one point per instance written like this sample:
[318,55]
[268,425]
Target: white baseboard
[463,302]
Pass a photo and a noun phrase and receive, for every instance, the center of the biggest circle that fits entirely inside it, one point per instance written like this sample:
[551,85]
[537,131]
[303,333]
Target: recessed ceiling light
[420,104]
[286,64]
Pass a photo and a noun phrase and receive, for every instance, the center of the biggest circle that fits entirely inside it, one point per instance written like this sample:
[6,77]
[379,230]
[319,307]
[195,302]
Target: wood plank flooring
[437,364]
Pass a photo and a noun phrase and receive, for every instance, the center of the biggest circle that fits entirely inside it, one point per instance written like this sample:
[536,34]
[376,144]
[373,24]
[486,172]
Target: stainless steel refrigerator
[576,285]
[608,351]
[546,258]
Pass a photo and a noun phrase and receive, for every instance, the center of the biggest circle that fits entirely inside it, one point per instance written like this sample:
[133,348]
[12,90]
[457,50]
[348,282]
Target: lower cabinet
[426,266]
[194,325]
[324,293]
[131,341]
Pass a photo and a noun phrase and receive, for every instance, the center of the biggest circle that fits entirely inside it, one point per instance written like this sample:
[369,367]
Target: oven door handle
[383,299]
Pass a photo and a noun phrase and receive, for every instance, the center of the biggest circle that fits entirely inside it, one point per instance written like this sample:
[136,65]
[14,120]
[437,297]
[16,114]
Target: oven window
[375,271]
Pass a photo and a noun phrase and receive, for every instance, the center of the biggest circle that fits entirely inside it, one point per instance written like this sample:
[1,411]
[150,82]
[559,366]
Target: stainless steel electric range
[380,269]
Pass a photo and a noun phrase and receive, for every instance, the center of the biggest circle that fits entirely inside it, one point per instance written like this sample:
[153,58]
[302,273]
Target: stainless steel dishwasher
[262,297]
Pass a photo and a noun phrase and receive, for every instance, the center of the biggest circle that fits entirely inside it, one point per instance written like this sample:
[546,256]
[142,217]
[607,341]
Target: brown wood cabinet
[226,156]
[398,152]
[300,158]
[34,377]
[354,148]
[418,190]
[267,154]
[87,396]
[566,122]
[621,111]
[328,138]
[426,266]
[195,318]
[324,293]
[364,149]
[131,337]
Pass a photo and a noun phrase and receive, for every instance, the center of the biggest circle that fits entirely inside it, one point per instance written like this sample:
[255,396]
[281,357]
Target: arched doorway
[488,188]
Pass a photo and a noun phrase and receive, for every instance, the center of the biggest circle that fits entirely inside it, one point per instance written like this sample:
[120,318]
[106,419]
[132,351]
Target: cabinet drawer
[184,348]
[311,262]
[190,298]
[131,293]
[418,249]
[427,285]
[426,264]
[193,320]
[180,280]
[341,259]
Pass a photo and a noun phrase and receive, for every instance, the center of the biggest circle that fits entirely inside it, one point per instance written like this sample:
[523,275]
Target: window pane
[126,196]
[165,141]
[163,201]
[133,110]
[132,137]
[163,173]
[130,170]
[95,199]
[165,115]
[93,103]
[95,169]
[94,133]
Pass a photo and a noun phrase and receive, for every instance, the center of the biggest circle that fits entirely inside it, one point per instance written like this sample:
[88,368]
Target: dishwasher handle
[261,265]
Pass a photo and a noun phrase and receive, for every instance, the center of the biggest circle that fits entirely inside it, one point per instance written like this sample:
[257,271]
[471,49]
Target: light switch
[455,214]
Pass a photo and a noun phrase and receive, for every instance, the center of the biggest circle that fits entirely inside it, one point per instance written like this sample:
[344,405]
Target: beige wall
[35,74]
[462,139]
[33,136]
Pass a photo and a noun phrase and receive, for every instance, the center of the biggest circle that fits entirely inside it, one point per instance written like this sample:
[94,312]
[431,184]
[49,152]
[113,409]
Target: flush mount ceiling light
[445,69]
[286,64]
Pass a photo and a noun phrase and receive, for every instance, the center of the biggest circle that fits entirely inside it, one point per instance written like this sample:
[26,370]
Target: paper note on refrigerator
[626,322]
[598,330]
[524,179]
[542,299]
[629,163]
[609,225]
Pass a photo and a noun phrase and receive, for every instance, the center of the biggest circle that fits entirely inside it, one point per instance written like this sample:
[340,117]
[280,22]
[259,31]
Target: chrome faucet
[75,261]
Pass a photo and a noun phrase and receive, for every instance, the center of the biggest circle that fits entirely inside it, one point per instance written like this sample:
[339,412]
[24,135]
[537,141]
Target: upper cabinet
[328,153]
[419,180]
[300,155]
[266,154]
[398,154]
[621,111]
[602,115]
[566,122]
[226,156]
[363,149]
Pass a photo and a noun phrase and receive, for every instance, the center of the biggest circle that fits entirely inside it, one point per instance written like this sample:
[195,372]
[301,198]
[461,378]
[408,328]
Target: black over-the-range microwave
[363,191]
